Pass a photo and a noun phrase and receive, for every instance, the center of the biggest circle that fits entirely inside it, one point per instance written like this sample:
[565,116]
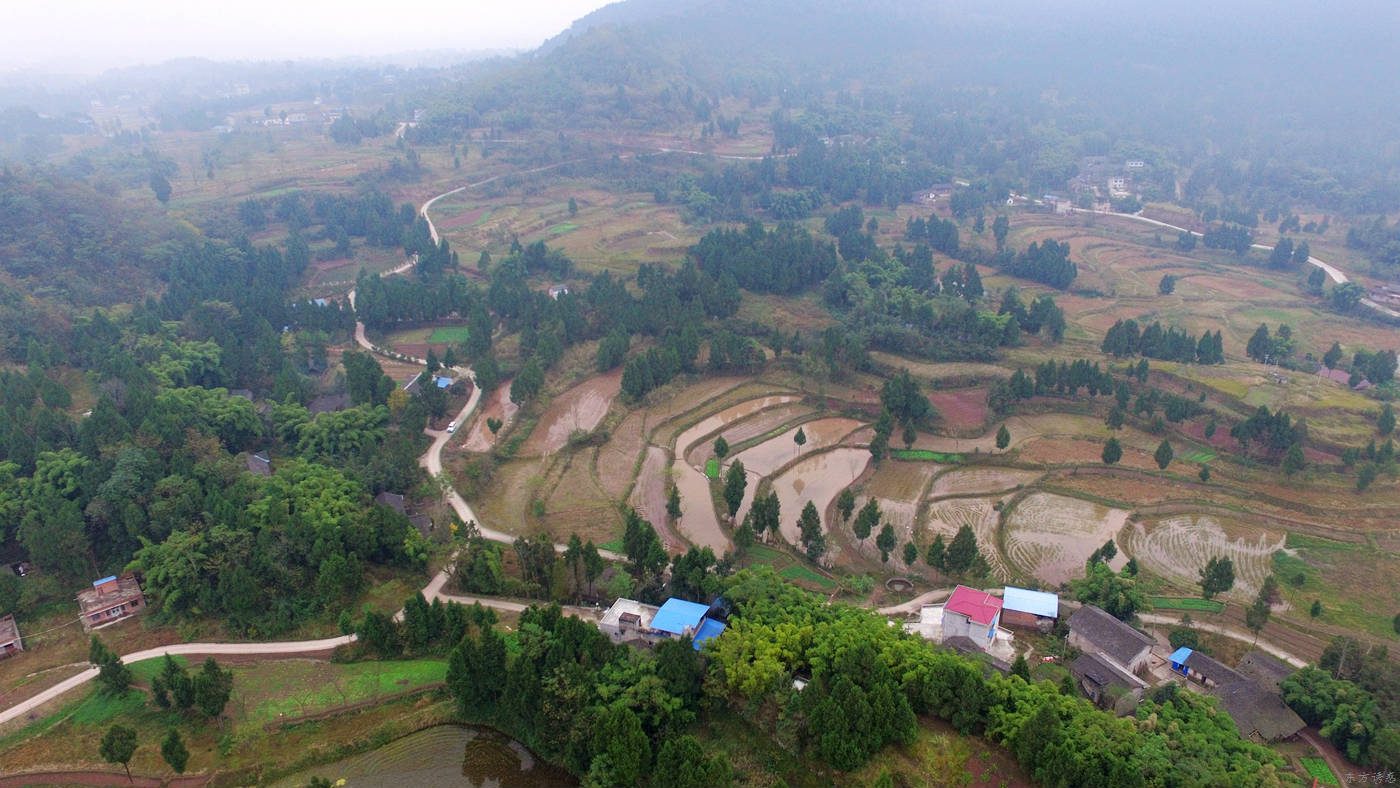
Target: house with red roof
[972,614]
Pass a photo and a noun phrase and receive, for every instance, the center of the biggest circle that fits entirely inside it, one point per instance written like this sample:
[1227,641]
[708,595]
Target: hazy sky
[90,35]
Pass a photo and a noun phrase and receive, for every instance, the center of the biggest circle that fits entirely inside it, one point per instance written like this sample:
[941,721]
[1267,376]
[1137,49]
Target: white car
[451,426]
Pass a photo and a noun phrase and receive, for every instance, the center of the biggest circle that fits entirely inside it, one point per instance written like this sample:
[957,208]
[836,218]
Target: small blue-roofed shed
[443,383]
[677,616]
[708,628]
[1027,608]
[1178,659]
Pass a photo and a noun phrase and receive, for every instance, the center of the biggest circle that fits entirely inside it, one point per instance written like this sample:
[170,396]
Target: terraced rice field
[699,522]
[649,493]
[1178,548]
[703,428]
[898,487]
[946,517]
[755,426]
[816,478]
[772,454]
[962,481]
[1049,537]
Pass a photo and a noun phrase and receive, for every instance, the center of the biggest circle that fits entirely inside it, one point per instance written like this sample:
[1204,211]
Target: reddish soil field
[962,409]
[1241,288]
[649,494]
[1220,440]
[460,220]
[420,349]
[580,408]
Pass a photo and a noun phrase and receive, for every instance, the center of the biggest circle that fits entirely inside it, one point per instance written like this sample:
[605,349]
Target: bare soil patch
[962,409]
[1049,537]
[616,459]
[580,408]
[649,495]
[496,406]
[980,480]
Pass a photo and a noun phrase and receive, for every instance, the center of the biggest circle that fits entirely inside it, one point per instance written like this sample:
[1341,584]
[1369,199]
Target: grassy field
[1317,768]
[805,573]
[451,334]
[1185,603]
[925,455]
[263,693]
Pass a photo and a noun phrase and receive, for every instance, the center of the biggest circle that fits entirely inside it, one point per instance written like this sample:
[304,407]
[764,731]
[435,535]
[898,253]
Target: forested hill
[1243,82]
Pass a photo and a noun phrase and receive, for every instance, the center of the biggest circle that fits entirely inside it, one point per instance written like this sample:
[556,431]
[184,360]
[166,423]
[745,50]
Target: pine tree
[173,750]
[735,482]
[936,553]
[962,551]
[1112,451]
[885,542]
[118,745]
[1164,454]
[1003,437]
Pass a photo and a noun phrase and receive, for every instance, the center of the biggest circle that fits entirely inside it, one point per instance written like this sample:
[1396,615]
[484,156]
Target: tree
[845,503]
[1333,354]
[573,207]
[809,526]
[212,687]
[885,542]
[800,439]
[1020,668]
[117,746]
[1260,347]
[1112,451]
[1164,455]
[1003,438]
[1217,576]
[1293,460]
[962,553]
[1167,285]
[112,675]
[1385,423]
[721,447]
[911,554]
[173,750]
[673,503]
[160,186]
[1316,609]
[1257,616]
[1205,473]
[910,435]
[1001,226]
[735,482]
[936,553]
[867,519]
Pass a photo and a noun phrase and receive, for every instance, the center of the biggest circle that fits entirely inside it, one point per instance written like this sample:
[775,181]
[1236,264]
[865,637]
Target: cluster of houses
[1101,177]
[1116,663]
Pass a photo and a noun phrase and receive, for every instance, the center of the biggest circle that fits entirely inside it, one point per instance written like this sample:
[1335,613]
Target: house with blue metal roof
[1022,607]
[631,621]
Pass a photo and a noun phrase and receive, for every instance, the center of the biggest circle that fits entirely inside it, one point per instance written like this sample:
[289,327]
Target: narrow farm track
[1334,273]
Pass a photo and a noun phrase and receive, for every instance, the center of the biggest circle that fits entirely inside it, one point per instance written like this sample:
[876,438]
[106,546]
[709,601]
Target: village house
[1253,703]
[1266,670]
[1093,631]
[1022,607]
[110,600]
[630,621]
[1107,684]
[972,614]
[10,641]
[557,290]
